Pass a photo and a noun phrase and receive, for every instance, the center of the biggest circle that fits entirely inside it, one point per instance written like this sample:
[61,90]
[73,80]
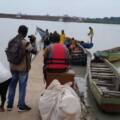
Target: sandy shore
[34,87]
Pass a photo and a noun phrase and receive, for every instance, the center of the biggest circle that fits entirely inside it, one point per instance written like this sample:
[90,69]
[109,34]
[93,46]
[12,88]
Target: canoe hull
[79,57]
[110,105]
[112,55]
[87,45]
[102,79]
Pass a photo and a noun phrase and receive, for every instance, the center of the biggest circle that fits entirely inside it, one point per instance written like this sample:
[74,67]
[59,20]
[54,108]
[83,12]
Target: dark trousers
[3,91]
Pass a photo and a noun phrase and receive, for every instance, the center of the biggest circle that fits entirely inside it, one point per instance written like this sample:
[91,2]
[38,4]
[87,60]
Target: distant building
[60,20]
[19,15]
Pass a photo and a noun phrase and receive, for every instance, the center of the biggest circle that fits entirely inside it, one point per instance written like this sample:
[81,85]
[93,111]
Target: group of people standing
[48,38]
[57,49]
[56,59]
[18,48]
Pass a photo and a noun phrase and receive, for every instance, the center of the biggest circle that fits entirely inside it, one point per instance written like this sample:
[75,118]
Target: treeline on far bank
[64,18]
[106,20]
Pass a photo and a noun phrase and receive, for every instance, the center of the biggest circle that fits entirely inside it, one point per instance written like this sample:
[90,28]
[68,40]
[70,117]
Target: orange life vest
[57,59]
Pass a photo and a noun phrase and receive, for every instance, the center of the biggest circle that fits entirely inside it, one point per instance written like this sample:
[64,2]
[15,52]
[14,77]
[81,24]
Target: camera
[32,38]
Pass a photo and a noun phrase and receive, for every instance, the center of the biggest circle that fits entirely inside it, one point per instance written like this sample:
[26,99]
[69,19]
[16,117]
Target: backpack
[15,51]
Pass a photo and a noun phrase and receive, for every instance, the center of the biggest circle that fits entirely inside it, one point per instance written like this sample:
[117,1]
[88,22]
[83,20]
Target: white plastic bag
[59,102]
[4,73]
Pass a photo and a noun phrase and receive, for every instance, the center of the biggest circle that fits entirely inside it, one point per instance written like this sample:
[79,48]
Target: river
[105,36]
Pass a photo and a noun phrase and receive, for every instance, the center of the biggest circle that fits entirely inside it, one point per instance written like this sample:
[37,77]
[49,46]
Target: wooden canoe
[41,32]
[78,56]
[111,54]
[105,85]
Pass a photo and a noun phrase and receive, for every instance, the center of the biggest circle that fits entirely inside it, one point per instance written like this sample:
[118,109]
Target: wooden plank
[99,65]
[102,77]
[104,74]
[102,80]
[112,93]
[107,85]
[105,71]
[93,68]
[103,83]
[103,88]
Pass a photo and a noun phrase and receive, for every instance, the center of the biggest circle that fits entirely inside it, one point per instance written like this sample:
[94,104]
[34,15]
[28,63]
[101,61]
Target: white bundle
[4,73]
[59,102]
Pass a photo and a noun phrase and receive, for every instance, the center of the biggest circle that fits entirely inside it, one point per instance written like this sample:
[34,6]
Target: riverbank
[34,88]
[41,17]
[64,18]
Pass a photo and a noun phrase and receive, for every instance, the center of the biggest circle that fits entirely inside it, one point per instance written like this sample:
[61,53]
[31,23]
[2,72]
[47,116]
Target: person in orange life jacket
[56,57]
[73,45]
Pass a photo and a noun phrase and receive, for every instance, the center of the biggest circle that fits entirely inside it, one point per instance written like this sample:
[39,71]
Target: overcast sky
[80,8]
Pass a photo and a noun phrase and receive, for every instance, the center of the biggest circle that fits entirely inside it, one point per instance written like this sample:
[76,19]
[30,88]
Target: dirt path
[35,85]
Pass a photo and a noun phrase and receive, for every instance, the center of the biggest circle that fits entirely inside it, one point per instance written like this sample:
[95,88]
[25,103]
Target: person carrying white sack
[5,77]
[59,102]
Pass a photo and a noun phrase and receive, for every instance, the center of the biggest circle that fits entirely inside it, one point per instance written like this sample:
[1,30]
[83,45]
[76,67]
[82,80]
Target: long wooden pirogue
[79,57]
[112,55]
[104,83]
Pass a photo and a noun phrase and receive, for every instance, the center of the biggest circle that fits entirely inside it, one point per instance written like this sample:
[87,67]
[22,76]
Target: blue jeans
[22,77]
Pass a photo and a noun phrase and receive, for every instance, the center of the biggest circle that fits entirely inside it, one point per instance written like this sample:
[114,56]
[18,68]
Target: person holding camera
[19,69]
[32,39]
